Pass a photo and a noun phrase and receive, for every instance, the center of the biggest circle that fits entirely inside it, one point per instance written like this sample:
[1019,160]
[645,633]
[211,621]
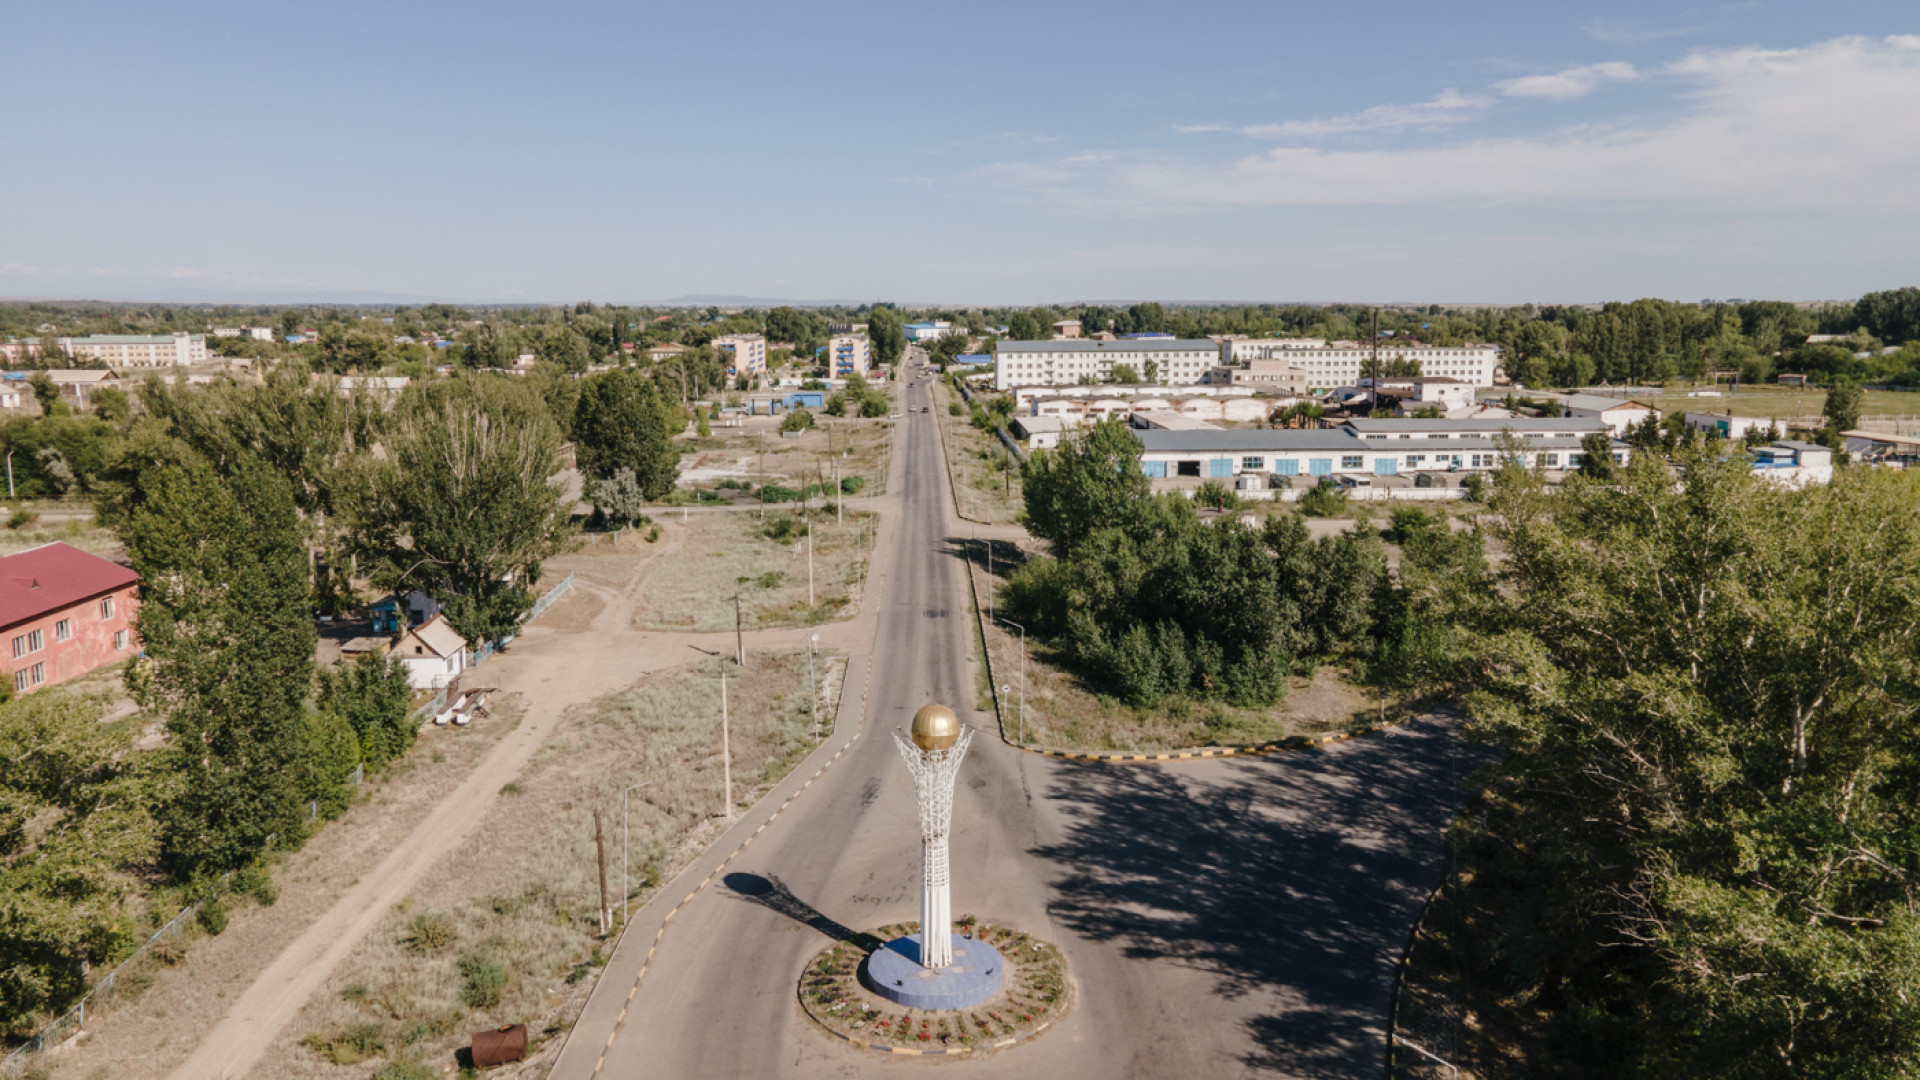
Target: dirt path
[554,669]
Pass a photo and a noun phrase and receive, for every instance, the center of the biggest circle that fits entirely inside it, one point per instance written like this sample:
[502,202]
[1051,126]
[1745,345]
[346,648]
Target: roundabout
[844,991]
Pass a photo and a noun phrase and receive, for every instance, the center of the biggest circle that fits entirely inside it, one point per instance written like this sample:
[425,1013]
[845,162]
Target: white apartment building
[254,333]
[1342,363]
[746,353]
[138,350]
[1173,361]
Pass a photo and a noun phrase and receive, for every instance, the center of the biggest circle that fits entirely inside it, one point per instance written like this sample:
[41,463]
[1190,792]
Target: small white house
[435,654]
[1730,426]
[1618,414]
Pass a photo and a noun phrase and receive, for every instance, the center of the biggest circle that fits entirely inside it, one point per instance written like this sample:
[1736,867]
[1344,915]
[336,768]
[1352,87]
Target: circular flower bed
[1034,995]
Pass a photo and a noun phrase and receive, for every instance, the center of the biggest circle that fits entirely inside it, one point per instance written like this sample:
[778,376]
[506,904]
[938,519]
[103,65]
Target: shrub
[786,529]
[405,1069]
[954,408]
[21,519]
[1217,495]
[797,420]
[777,493]
[851,485]
[482,982]
[256,880]
[348,1045]
[212,917]
[1325,500]
[429,932]
[1476,486]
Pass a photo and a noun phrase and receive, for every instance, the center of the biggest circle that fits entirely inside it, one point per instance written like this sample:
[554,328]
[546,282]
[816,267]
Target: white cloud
[1451,107]
[1834,125]
[1571,83]
[18,268]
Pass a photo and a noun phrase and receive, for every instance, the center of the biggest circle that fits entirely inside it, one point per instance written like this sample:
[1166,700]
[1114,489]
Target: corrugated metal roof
[43,580]
[1518,423]
[1325,440]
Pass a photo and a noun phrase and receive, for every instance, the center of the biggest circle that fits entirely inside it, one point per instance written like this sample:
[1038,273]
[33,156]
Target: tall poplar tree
[225,623]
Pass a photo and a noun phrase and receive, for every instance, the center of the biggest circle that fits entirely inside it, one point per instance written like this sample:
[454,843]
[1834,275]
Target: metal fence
[485,652]
[75,1018]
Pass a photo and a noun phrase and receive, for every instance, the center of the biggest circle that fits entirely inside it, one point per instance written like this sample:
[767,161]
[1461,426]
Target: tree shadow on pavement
[1296,879]
[771,893]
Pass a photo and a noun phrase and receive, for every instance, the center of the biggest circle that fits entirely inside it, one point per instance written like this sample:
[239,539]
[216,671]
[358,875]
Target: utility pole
[726,748]
[600,848]
[1376,356]
[813,690]
[739,634]
[1023,679]
[989,579]
[809,563]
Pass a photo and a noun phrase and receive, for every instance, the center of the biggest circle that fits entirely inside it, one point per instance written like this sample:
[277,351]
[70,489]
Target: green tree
[110,403]
[1596,459]
[1842,407]
[1124,374]
[228,638]
[372,696]
[47,394]
[465,506]
[797,420]
[622,423]
[887,335]
[76,833]
[1709,695]
[1088,482]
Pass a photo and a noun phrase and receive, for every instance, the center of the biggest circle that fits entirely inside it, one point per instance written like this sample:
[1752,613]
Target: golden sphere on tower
[935,728]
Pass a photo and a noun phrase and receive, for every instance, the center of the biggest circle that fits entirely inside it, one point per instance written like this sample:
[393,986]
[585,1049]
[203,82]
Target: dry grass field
[986,478]
[711,557]
[71,522]
[506,930]
[758,454]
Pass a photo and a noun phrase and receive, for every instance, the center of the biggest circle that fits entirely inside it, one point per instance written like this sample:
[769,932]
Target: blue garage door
[1320,466]
[1286,467]
[1154,468]
[1385,466]
[1220,467]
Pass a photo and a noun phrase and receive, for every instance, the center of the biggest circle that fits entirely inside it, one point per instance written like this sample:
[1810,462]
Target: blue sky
[983,153]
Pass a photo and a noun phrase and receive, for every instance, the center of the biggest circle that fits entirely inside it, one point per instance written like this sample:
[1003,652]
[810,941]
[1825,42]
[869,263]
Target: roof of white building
[1094,346]
[437,634]
[1596,403]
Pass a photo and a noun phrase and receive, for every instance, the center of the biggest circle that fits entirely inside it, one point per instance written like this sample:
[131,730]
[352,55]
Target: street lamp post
[1023,678]
[626,875]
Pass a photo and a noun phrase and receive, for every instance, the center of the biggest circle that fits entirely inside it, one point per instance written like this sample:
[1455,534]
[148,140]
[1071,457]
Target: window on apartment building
[106,608]
[1415,459]
[39,672]
[1253,463]
[1352,461]
[63,630]
[1551,461]
[119,640]
[36,640]
[19,646]
[20,679]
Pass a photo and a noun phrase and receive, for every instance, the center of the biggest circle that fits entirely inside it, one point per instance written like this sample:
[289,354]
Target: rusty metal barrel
[499,1046]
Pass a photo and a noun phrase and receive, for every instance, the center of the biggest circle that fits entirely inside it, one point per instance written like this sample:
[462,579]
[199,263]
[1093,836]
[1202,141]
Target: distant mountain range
[705,300]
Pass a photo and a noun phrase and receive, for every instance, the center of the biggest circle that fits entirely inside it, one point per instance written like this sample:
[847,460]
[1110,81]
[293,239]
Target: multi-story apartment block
[1342,363]
[849,354]
[746,353]
[139,350]
[1168,361]
[926,331]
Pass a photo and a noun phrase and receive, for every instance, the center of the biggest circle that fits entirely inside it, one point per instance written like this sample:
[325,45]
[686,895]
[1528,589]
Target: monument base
[893,971]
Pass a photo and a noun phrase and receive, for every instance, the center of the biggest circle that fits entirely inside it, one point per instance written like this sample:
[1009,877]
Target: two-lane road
[1220,918]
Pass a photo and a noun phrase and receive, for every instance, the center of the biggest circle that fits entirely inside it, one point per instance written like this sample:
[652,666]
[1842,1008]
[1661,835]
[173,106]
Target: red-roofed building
[63,613]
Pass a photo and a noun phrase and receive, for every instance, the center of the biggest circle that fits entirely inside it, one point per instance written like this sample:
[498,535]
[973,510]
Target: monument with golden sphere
[933,751]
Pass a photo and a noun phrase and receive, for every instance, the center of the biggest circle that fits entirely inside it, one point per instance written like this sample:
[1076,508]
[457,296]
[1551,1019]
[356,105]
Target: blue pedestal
[893,971]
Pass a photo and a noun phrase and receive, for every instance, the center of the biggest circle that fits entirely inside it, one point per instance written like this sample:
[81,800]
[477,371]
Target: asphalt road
[1220,918]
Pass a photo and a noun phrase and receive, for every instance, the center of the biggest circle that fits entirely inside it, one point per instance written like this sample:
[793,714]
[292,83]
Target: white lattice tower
[933,775]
